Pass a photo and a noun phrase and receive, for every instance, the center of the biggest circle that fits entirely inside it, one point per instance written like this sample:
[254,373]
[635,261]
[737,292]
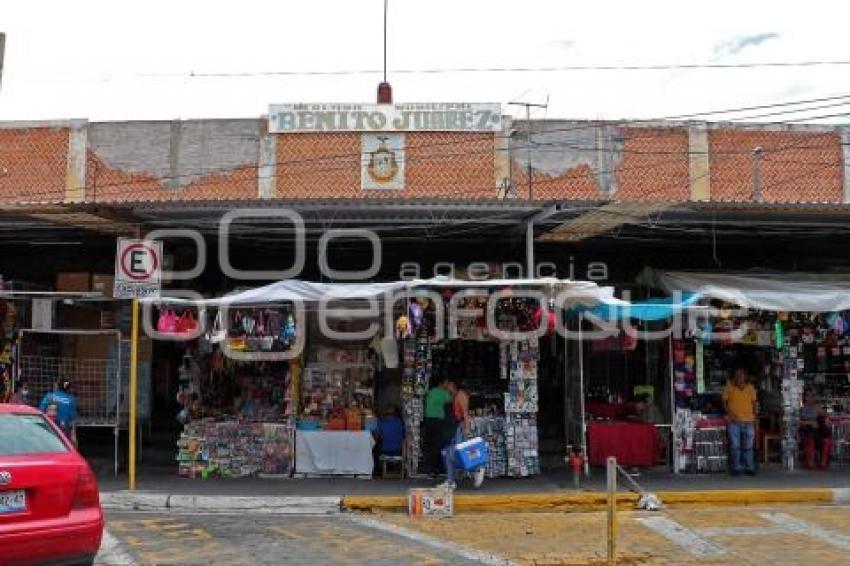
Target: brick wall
[218,159]
[795,166]
[654,165]
[437,164]
[33,164]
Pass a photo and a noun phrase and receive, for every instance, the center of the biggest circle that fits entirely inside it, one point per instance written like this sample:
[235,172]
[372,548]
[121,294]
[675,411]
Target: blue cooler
[472,454]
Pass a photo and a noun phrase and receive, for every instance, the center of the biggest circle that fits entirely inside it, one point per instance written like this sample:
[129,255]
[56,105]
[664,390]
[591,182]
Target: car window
[27,434]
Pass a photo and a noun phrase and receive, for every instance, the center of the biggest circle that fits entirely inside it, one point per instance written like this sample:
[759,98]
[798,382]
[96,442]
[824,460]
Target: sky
[129,60]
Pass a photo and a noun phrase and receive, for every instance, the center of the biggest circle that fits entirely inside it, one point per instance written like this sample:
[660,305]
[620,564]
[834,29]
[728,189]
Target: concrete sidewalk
[165,480]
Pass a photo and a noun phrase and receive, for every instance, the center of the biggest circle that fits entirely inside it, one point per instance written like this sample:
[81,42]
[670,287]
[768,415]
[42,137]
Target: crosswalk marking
[686,538]
[695,540]
[800,527]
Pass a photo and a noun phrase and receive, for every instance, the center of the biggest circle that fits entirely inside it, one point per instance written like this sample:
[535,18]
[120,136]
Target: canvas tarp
[801,292]
[574,292]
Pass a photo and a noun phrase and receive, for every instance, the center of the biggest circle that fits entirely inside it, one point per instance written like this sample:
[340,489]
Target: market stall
[624,397]
[792,332]
[499,371]
[328,396]
[238,412]
[500,377]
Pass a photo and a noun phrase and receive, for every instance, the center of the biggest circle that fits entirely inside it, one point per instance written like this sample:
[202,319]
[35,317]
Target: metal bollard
[611,477]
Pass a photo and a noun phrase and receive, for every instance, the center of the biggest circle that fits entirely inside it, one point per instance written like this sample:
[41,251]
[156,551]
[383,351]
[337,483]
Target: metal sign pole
[674,445]
[581,398]
[133,386]
[611,480]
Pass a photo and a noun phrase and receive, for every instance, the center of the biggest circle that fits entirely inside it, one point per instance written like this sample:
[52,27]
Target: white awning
[573,292]
[801,292]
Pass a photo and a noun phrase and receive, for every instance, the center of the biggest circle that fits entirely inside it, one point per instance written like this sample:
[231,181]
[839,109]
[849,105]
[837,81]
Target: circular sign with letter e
[138,268]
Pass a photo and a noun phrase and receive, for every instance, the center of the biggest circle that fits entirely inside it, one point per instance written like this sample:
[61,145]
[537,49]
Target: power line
[541,69]
[459,70]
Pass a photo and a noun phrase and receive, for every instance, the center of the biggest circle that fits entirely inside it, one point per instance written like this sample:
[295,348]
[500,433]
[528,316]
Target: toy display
[226,449]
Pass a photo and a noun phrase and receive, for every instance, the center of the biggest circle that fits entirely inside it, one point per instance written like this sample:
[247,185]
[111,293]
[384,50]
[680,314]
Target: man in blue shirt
[65,405]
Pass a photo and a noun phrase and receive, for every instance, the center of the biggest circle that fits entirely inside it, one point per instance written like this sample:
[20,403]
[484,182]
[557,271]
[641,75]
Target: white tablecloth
[333,452]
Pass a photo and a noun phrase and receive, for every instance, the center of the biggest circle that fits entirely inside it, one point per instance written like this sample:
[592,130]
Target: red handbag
[187,323]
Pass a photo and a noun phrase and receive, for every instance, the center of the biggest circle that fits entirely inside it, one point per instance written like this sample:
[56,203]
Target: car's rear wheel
[86,562]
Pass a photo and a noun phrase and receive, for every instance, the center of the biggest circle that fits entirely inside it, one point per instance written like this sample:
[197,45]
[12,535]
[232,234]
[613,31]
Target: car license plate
[13,501]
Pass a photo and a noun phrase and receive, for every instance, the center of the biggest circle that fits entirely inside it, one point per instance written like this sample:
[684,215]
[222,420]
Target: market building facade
[448,189]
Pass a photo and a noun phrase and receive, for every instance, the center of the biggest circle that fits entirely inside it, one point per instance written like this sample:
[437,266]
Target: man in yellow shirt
[740,398]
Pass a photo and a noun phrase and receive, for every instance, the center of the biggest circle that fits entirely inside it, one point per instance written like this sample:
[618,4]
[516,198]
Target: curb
[129,501]
[463,503]
[595,501]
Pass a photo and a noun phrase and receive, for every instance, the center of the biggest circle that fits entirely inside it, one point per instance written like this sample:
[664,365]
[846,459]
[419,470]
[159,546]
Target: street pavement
[189,539]
[788,534]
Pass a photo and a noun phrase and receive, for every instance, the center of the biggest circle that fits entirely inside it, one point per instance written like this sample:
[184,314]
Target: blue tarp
[648,310]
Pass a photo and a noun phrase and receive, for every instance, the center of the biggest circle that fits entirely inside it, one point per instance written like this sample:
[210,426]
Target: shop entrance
[552,383]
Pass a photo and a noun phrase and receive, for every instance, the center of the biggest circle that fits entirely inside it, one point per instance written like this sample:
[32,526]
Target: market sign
[424,117]
[138,268]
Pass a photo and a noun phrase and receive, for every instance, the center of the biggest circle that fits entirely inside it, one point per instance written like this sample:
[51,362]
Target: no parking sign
[138,268]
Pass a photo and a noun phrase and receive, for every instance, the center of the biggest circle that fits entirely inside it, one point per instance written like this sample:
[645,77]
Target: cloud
[564,43]
[738,44]
[797,89]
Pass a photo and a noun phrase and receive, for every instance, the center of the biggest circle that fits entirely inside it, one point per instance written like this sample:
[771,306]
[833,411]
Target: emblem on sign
[383,161]
[5,477]
[382,164]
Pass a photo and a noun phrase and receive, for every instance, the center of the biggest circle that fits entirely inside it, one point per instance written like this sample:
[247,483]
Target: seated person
[646,411]
[243,405]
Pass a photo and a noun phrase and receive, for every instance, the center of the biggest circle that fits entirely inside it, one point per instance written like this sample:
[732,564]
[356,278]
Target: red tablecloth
[633,444]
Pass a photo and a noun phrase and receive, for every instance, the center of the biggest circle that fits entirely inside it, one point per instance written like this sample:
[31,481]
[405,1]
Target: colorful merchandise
[234,448]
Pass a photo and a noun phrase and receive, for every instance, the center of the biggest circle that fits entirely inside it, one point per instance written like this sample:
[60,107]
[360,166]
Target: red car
[49,501]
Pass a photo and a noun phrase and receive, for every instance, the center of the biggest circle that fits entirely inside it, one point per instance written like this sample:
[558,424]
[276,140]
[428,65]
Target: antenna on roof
[385,91]
[529,172]
[2,52]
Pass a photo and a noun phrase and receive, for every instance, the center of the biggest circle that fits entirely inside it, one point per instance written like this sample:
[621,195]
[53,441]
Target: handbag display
[187,324]
[258,330]
[167,323]
[217,333]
